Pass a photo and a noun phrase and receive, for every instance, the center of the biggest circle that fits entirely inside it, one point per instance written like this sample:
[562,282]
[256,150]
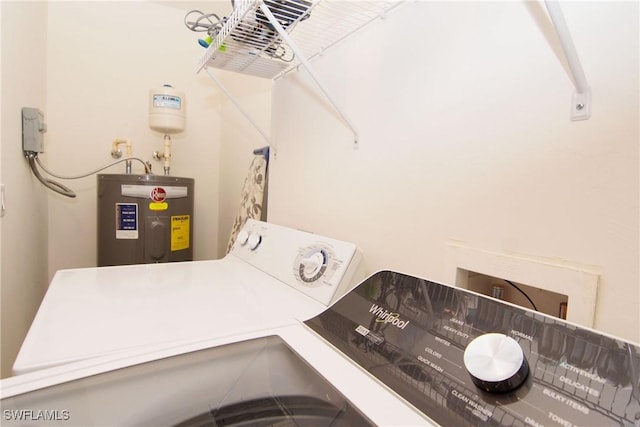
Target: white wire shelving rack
[270,38]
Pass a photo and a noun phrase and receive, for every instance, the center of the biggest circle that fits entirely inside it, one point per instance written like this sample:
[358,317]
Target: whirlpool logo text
[385,316]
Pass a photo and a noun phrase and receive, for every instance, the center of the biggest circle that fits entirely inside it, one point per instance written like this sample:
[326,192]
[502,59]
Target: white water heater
[167,110]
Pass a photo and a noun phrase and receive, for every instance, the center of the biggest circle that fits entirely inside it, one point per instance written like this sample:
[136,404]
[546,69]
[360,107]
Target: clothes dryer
[272,276]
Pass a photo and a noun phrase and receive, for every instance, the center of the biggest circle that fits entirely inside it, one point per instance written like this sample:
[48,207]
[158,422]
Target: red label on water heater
[158,194]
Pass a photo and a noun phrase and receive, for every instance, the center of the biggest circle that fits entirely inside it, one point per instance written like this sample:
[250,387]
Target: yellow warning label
[180,232]
[158,206]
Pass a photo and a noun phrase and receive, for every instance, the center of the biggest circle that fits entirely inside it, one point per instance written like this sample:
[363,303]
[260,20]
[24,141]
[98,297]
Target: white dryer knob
[254,241]
[496,363]
[243,235]
[313,263]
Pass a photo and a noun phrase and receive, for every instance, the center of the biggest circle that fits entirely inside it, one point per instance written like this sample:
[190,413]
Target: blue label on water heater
[126,220]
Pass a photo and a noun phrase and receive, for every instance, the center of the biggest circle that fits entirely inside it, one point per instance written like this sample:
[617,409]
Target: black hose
[523,293]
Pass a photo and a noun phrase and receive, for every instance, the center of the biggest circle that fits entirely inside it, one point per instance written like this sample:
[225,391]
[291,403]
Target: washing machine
[397,350]
[272,276]
[285,376]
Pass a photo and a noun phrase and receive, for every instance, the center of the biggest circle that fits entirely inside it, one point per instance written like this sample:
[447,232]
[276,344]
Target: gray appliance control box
[33,126]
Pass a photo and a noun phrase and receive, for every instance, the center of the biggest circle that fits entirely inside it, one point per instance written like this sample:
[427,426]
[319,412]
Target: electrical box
[33,126]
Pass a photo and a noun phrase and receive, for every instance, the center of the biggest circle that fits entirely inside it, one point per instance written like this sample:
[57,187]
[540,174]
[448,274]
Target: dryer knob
[254,241]
[313,263]
[496,363]
[243,236]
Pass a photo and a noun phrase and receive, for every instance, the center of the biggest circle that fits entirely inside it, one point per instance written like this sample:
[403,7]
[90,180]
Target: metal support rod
[238,106]
[582,98]
[557,17]
[285,36]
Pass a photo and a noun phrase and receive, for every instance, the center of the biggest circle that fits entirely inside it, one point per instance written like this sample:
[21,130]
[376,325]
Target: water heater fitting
[116,153]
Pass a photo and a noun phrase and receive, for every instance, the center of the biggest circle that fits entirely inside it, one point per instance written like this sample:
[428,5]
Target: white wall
[463,115]
[1,195]
[23,262]
[103,58]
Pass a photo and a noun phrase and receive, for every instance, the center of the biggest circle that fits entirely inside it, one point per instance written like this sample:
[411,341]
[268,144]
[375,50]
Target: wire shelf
[249,42]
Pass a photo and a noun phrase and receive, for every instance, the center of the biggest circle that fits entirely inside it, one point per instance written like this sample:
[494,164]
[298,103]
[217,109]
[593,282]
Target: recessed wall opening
[548,282]
[524,295]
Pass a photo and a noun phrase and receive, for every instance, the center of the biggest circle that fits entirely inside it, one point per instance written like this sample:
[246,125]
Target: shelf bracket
[303,60]
[238,106]
[581,101]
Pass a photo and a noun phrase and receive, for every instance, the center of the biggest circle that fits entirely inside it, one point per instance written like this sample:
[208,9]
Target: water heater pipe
[116,153]
[167,154]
